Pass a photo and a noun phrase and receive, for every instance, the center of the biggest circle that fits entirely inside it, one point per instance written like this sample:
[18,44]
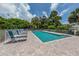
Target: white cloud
[64,11]
[34,15]
[24,12]
[7,10]
[45,13]
[54,6]
[16,10]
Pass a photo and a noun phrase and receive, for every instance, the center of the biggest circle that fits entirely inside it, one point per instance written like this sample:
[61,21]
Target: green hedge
[13,23]
[51,27]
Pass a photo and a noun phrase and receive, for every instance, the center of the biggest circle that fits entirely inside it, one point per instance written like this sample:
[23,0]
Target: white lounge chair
[18,33]
[14,38]
[22,31]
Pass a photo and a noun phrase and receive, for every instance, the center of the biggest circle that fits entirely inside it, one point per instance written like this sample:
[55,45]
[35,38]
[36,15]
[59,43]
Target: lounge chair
[14,38]
[18,33]
[22,31]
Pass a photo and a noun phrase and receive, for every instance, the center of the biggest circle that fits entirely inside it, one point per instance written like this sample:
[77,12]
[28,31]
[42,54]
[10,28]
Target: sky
[30,10]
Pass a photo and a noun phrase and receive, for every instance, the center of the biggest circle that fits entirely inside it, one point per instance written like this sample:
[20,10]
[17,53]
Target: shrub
[13,23]
[51,27]
[62,27]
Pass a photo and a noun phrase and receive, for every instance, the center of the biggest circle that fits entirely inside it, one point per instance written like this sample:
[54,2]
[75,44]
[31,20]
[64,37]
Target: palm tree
[74,16]
[53,13]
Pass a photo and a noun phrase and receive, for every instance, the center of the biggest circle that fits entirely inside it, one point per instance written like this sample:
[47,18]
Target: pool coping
[53,40]
[36,37]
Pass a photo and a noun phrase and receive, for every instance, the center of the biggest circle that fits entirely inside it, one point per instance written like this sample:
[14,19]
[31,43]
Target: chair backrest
[18,32]
[11,34]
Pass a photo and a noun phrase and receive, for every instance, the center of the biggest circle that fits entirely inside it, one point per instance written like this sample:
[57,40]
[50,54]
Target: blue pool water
[45,36]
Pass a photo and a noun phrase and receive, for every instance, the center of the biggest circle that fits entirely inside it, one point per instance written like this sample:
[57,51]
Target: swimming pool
[45,36]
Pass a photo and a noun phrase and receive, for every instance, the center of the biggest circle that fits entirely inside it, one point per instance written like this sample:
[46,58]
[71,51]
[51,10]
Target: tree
[55,18]
[39,22]
[35,22]
[44,22]
[13,23]
[53,13]
[74,16]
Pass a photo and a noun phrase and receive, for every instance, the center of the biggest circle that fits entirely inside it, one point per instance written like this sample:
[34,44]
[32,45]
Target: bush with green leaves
[13,23]
[51,27]
[63,27]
